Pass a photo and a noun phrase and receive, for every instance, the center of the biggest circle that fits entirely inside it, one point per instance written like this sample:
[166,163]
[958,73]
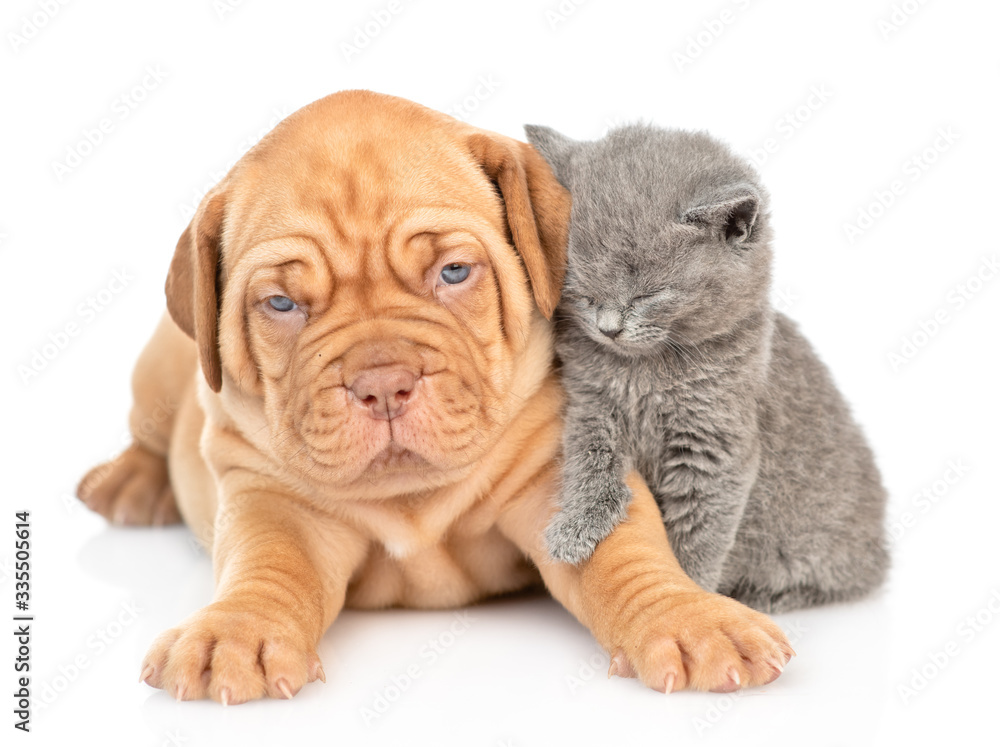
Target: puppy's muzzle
[385,391]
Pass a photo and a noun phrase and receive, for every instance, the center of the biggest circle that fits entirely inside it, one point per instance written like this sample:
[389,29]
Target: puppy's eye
[455,273]
[281,303]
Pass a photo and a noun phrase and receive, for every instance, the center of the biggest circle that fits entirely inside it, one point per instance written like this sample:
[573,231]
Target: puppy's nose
[384,390]
[611,333]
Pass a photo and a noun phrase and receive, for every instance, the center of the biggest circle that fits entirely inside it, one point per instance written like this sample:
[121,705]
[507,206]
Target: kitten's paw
[133,489]
[570,540]
[589,514]
[231,656]
[701,641]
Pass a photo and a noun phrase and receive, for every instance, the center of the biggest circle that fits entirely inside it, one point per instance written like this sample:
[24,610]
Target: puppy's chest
[406,527]
[436,554]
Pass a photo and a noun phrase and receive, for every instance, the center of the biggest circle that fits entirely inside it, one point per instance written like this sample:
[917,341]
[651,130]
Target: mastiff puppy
[369,416]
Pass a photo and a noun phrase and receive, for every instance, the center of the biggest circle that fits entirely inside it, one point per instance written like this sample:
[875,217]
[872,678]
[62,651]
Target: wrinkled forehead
[353,179]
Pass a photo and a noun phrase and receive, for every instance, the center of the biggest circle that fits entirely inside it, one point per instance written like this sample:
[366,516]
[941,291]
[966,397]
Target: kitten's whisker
[686,352]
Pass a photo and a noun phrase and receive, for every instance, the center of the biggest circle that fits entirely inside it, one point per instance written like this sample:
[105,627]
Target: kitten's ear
[554,147]
[731,213]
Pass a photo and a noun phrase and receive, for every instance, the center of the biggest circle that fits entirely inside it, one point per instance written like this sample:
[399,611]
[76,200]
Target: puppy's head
[367,277]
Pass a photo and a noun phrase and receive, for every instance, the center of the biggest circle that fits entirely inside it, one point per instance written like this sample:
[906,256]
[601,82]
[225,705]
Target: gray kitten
[675,363]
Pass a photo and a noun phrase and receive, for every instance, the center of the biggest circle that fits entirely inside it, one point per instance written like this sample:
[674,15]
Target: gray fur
[675,363]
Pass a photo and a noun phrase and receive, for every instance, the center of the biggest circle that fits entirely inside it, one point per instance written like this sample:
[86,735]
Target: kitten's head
[669,239]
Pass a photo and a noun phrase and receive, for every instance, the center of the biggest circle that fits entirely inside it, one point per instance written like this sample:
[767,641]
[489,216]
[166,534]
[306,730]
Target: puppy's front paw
[590,512]
[701,641]
[231,655]
[132,489]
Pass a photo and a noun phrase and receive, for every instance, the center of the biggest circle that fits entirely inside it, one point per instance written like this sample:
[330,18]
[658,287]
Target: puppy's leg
[641,607]
[282,571]
[134,488]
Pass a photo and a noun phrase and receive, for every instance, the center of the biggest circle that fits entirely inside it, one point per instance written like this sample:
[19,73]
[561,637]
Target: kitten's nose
[610,321]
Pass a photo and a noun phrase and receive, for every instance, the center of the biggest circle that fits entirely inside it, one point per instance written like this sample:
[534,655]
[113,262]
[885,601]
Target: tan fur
[350,207]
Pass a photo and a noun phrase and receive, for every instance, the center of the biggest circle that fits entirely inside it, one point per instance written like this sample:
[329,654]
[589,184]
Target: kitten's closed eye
[646,298]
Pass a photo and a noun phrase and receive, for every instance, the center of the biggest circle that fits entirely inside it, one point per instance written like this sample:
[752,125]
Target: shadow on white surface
[490,674]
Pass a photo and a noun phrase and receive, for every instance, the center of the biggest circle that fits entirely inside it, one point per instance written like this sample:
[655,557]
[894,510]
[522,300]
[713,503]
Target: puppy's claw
[179,693]
[316,672]
[146,673]
[620,666]
[668,683]
[732,682]
[285,690]
[224,696]
[776,668]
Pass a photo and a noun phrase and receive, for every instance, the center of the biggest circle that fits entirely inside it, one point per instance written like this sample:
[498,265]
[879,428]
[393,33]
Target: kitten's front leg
[594,498]
[702,513]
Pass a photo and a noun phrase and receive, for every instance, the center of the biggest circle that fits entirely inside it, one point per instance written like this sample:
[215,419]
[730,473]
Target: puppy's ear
[537,208]
[731,213]
[193,283]
[555,148]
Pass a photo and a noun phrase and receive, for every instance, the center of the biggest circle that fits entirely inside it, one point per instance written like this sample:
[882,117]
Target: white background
[522,672]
